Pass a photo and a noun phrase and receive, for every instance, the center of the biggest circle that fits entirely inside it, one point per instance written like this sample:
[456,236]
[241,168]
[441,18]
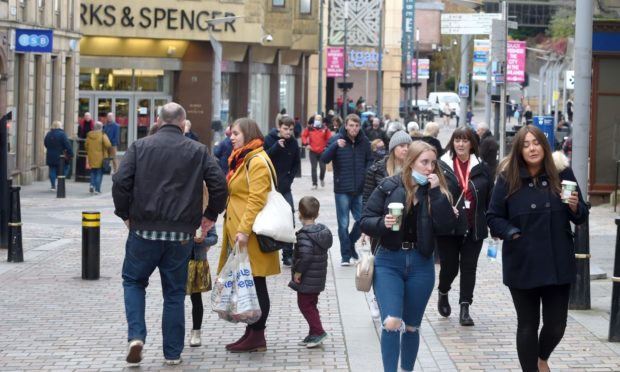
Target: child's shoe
[315,341]
[305,341]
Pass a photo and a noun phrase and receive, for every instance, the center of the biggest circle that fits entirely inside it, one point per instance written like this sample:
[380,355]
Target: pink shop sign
[515,62]
[335,62]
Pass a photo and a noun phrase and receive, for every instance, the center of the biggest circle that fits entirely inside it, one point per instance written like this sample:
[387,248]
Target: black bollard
[16,249]
[614,317]
[60,179]
[91,222]
[580,290]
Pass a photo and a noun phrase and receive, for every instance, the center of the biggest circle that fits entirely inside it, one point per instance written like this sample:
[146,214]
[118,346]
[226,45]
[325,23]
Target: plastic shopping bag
[223,289]
[244,302]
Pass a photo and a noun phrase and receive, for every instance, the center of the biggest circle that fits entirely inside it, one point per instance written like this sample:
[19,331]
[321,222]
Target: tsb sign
[34,41]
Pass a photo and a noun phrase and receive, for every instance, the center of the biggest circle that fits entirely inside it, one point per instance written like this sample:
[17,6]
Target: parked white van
[437,101]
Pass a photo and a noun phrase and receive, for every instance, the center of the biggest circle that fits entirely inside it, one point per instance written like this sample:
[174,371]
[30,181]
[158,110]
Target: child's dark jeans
[307,303]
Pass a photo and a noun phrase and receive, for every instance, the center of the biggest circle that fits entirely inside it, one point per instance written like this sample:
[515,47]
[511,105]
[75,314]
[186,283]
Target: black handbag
[268,244]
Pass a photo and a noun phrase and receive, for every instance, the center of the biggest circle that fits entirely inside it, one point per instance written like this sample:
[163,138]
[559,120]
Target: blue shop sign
[33,41]
[545,123]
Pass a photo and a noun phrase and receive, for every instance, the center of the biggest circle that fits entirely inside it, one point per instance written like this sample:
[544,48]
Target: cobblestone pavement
[55,321]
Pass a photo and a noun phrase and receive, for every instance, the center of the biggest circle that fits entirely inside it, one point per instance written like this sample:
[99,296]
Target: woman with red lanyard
[470,184]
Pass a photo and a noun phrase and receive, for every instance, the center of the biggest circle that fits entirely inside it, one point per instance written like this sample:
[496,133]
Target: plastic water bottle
[492,250]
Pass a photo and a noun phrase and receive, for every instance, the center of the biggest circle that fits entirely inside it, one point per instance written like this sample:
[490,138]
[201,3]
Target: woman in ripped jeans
[404,272]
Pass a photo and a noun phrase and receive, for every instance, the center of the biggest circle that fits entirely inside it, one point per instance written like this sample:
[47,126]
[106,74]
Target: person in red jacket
[316,135]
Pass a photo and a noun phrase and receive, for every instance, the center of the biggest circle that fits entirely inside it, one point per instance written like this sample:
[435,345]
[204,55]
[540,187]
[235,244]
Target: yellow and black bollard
[580,290]
[16,249]
[614,316]
[60,179]
[91,223]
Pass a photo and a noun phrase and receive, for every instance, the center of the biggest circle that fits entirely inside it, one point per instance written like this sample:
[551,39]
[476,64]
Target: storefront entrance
[135,112]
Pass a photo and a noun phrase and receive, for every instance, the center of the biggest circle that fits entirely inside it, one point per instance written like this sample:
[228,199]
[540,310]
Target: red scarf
[238,155]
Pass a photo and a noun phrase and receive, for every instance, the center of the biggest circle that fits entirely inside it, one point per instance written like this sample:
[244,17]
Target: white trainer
[134,351]
[195,340]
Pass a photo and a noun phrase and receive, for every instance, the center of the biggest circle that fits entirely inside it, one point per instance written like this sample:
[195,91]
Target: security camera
[267,38]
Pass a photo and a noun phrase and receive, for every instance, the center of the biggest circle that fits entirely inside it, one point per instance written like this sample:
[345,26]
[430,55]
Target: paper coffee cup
[567,190]
[396,210]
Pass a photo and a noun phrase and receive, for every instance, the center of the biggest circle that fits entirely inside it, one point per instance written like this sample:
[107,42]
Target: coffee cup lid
[567,182]
[396,206]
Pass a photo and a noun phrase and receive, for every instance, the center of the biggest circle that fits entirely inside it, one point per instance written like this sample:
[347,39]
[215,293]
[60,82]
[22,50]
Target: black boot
[443,306]
[465,319]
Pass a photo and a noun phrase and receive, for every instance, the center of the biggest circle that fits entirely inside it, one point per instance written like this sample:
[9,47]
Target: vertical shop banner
[515,62]
[482,48]
[407,44]
[335,62]
[423,69]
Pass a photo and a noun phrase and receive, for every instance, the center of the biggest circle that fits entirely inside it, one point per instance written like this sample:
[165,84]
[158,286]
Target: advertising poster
[515,62]
[423,69]
[482,48]
[335,62]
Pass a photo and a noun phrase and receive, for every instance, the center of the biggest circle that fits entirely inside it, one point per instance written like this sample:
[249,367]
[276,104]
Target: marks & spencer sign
[165,19]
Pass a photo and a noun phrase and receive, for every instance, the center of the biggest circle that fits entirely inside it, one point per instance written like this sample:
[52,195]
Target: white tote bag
[275,220]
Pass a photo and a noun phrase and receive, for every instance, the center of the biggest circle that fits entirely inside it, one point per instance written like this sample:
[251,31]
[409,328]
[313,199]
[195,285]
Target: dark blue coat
[56,142]
[349,162]
[435,215]
[285,159]
[544,254]
[113,131]
[310,257]
[222,151]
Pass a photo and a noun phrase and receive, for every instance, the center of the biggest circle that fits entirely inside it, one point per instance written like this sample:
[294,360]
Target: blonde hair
[431,129]
[415,150]
[375,142]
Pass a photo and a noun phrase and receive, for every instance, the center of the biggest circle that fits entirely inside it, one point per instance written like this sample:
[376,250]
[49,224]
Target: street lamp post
[345,86]
[319,104]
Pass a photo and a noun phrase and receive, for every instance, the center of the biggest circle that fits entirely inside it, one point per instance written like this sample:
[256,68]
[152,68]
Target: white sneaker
[173,362]
[134,351]
[344,263]
[353,261]
[374,308]
[194,340]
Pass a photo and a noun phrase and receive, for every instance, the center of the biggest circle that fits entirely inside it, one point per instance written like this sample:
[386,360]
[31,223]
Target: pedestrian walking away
[532,215]
[248,165]
[284,153]
[404,272]
[316,135]
[97,146]
[470,186]
[488,148]
[113,130]
[309,270]
[57,145]
[349,152]
[158,193]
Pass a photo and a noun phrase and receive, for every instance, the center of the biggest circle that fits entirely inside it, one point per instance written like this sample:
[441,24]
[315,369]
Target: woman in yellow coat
[97,146]
[244,203]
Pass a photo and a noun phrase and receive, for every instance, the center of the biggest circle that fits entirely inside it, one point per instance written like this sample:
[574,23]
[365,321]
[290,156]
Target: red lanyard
[463,180]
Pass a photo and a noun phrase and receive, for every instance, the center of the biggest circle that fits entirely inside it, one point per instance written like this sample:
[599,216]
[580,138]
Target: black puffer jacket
[480,183]
[376,172]
[310,257]
[435,215]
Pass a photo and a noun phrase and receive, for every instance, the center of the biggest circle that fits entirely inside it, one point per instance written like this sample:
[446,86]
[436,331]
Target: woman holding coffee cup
[528,213]
[470,184]
[405,213]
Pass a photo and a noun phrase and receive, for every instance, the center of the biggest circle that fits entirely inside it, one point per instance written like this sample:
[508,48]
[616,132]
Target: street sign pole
[502,108]
[464,72]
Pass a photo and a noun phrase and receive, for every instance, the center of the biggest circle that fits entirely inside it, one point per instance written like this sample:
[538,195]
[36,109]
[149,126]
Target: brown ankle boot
[254,342]
[245,335]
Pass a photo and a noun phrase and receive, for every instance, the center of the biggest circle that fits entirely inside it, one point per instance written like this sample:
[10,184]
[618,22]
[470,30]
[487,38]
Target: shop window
[287,94]
[305,7]
[124,79]
[278,3]
[259,101]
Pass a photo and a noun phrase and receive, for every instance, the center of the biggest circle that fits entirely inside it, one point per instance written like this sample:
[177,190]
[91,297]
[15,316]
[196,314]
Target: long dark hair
[512,164]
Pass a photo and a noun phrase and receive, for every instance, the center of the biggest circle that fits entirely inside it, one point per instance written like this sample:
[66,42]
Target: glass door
[104,105]
[121,109]
[144,116]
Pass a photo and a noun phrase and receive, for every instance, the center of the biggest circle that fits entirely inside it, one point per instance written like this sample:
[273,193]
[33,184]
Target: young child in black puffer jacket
[309,270]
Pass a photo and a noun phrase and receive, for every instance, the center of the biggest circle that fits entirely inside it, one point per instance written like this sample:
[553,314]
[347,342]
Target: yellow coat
[243,205]
[97,148]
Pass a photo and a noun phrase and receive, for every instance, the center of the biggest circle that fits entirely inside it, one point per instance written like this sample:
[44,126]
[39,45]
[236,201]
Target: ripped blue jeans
[403,283]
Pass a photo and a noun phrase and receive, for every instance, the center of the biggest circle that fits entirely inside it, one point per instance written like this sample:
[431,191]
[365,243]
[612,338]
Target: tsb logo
[33,41]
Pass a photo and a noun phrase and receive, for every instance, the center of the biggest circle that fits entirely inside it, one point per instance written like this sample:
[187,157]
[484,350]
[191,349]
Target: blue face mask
[380,152]
[420,179]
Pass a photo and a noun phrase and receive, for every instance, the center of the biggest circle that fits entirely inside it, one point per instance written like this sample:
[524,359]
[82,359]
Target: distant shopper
[222,151]
[378,150]
[86,125]
[376,132]
[188,131]
[97,147]
[284,153]
[309,271]
[528,212]
[162,212]
[528,115]
[113,130]
[316,136]
[431,131]
[488,148]
[349,151]
[404,270]
[57,145]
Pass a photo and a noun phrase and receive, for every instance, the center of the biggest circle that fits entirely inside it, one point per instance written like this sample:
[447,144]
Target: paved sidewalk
[55,321]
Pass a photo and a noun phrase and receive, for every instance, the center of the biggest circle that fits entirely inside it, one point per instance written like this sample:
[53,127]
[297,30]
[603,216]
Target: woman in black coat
[404,271]
[470,185]
[57,145]
[528,212]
